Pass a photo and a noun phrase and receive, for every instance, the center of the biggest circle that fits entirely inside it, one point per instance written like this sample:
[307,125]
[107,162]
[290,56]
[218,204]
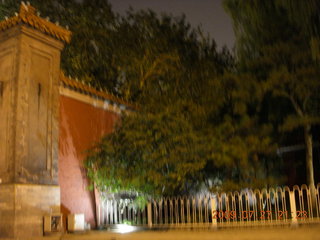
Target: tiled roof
[84,88]
[27,15]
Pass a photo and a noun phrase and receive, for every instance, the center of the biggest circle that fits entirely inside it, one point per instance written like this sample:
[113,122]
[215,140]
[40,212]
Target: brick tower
[30,50]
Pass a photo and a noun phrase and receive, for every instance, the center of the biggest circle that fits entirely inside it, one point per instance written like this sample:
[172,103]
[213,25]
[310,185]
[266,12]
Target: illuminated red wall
[81,125]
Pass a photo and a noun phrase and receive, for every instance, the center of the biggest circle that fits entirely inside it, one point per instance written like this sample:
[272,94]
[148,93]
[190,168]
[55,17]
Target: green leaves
[278,45]
[149,153]
[201,116]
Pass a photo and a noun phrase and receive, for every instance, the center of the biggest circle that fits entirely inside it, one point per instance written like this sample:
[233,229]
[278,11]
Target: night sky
[207,13]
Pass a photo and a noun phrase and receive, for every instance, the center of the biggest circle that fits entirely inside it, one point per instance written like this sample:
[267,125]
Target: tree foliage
[277,50]
[201,117]
[142,155]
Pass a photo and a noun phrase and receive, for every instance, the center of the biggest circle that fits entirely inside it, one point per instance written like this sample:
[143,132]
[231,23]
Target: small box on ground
[76,222]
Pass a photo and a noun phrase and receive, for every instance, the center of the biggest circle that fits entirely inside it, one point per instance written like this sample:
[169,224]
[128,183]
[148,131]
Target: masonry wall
[81,125]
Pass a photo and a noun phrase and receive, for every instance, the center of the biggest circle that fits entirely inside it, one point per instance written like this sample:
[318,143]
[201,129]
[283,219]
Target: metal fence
[246,207]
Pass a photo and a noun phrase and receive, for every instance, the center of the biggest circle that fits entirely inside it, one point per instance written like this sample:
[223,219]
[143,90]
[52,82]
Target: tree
[188,93]
[242,143]
[300,86]
[156,154]
[305,15]
[174,65]
[278,53]
[168,68]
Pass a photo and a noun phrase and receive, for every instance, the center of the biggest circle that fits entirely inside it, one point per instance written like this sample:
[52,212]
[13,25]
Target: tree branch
[296,106]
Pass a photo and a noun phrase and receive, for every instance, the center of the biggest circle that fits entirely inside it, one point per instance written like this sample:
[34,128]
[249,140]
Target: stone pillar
[29,123]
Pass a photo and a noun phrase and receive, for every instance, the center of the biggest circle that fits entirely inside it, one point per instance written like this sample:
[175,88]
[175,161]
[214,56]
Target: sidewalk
[310,232]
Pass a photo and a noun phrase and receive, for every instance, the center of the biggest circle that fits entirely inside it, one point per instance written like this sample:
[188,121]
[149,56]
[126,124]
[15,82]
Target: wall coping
[78,90]
[27,15]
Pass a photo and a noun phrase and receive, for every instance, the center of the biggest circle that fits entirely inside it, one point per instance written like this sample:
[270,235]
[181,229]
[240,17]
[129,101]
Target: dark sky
[207,13]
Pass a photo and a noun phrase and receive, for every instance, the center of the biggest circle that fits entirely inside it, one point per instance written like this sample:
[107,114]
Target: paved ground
[310,232]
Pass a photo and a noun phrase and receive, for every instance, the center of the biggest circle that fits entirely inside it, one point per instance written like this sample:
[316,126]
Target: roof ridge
[82,87]
[27,15]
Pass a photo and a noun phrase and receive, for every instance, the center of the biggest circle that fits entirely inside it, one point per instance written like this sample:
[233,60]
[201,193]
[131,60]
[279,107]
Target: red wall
[81,125]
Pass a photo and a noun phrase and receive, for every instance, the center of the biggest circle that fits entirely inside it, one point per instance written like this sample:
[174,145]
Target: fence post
[213,212]
[149,215]
[98,211]
[293,208]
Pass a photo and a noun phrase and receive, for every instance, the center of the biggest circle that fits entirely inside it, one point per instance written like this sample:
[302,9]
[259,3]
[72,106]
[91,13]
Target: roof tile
[81,87]
[27,15]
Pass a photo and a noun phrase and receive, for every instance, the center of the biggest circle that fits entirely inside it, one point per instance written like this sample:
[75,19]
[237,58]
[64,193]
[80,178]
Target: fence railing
[266,206]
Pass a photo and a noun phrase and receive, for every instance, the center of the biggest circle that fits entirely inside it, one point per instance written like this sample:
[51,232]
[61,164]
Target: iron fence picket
[265,206]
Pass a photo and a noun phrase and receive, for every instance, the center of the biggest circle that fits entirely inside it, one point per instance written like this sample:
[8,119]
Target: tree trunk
[309,157]
[309,162]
